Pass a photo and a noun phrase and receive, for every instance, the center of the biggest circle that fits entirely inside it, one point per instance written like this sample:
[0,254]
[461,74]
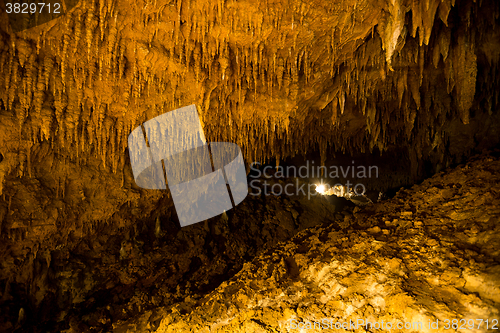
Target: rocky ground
[430,254]
[118,272]
[277,262]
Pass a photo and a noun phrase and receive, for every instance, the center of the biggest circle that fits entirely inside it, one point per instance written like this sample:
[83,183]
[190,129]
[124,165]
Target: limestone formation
[412,85]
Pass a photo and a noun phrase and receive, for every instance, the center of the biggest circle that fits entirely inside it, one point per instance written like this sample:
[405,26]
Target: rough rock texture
[429,253]
[114,273]
[279,79]
[417,81]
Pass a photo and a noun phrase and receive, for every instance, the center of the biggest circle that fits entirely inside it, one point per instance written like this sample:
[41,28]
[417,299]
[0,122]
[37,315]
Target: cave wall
[280,79]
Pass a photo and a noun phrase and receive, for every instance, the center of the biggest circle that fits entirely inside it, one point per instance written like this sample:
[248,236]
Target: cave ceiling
[278,78]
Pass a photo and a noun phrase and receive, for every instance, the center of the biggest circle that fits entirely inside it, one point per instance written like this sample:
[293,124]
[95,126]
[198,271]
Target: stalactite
[47,117]
[391,29]
[39,43]
[15,79]
[306,66]
[112,40]
[9,87]
[77,32]
[334,111]
[280,70]
[402,83]
[436,55]
[63,60]
[102,15]
[60,103]
[414,89]
[3,68]
[100,64]
[429,13]
[28,81]
[341,98]
[47,70]
[444,42]
[243,73]
[465,68]
[121,62]
[89,33]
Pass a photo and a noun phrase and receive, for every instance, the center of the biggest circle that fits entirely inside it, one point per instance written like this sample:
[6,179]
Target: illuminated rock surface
[411,84]
[429,253]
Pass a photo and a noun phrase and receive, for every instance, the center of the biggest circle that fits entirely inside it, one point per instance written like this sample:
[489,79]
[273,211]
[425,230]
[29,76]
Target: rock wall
[280,79]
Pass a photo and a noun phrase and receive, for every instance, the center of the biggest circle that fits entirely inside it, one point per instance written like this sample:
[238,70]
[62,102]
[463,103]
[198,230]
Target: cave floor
[428,254]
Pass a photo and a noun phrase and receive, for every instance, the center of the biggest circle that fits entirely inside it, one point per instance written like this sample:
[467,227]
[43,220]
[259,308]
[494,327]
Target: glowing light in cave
[321,188]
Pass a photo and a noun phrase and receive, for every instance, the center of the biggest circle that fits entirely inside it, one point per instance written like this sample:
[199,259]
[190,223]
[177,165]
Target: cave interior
[363,178]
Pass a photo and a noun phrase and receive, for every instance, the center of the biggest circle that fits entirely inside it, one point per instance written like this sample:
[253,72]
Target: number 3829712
[32,8]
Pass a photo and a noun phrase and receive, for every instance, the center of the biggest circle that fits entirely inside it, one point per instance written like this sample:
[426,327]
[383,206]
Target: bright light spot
[321,188]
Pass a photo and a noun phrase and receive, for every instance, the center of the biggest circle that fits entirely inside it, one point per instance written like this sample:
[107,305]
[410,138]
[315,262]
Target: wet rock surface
[429,253]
